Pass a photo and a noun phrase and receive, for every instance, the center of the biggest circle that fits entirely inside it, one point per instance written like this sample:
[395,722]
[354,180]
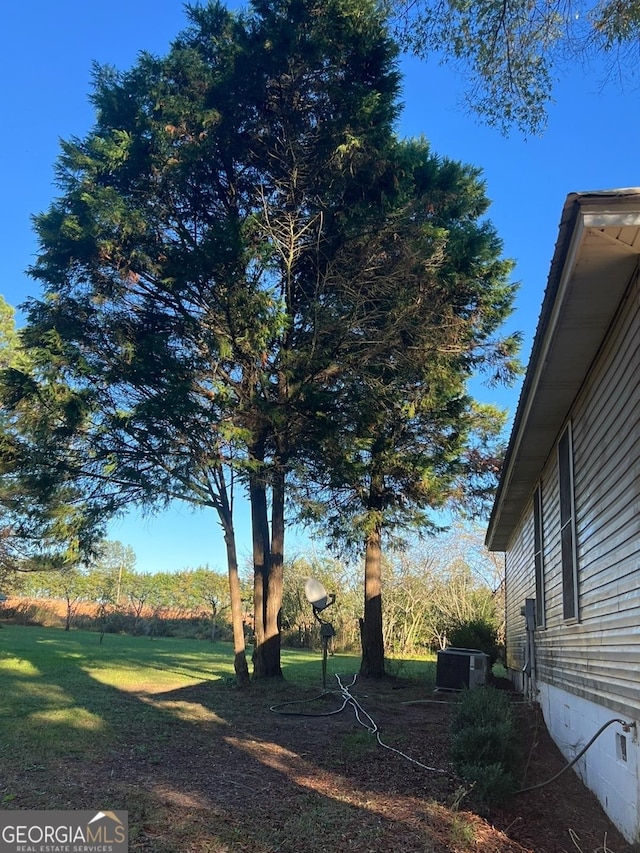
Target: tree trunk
[372,665]
[240,664]
[268,572]
[266,649]
[273,615]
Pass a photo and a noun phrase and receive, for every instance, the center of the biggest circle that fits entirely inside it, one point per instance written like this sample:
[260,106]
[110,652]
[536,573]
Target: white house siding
[520,585]
[599,655]
[520,579]
[588,670]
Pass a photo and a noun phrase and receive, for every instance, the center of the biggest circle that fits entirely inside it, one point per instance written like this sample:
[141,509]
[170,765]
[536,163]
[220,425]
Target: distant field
[56,608]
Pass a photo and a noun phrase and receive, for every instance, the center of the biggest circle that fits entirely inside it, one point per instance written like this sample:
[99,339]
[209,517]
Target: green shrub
[499,670]
[480,706]
[476,634]
[491,783]
[484,743]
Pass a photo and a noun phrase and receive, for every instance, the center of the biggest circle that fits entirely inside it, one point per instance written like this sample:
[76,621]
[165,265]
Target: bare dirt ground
[225,772]
[562,816]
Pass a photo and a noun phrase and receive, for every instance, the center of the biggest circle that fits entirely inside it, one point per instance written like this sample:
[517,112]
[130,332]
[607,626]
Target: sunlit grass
[188,712]
[78,717]
[61,690]
[75,718]
[17,667]
[68,692]
[142,678]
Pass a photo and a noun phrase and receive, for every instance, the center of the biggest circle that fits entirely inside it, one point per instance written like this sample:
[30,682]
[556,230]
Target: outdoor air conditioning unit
[460,668]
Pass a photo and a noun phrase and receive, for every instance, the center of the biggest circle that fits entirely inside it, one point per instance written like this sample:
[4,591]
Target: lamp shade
[316,594]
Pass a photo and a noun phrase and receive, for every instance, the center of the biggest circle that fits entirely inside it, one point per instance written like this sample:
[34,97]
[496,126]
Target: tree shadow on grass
[204,767]
[208,768]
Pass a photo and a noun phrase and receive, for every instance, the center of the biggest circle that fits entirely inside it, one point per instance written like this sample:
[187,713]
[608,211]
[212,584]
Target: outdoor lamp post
[319,600]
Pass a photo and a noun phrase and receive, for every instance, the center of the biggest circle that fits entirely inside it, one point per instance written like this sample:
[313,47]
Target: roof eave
[574,318]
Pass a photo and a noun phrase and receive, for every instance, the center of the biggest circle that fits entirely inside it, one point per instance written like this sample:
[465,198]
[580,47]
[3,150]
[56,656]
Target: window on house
[538,550]
[567,526]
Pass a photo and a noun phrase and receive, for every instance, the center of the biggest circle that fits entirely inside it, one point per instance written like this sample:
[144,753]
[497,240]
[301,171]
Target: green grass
[66,691]
[82,722]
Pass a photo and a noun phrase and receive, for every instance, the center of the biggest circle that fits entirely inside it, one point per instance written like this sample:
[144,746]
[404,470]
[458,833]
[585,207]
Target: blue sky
[45,63]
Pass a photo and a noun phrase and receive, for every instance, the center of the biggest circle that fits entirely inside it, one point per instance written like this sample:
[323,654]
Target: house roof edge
[576,205]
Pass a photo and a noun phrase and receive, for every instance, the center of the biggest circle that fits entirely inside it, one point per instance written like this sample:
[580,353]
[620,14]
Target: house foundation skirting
[610,766]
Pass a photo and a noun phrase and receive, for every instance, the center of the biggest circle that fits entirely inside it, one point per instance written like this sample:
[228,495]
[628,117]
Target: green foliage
[188,264]
[484,745]
[461,584]
[492,785]
[10,353]
[47,520]
[248,277]
[430,588]
[514,53]
[300,628]
[109,595]
[175,310]
[476,634]
[423,596]
[480,707]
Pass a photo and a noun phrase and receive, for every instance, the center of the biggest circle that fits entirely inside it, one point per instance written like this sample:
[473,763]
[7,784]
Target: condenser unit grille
[460,668]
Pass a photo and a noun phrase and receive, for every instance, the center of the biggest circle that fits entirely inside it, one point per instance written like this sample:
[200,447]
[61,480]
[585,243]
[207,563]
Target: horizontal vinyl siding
[598,657]
[587,670]
[520,584]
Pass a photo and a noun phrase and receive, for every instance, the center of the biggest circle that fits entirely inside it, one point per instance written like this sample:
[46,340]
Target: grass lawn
[157,727]
[66,693]
[140,724]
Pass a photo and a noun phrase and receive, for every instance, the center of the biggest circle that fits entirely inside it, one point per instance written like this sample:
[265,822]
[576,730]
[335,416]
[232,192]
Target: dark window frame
[538,556]
[568,550]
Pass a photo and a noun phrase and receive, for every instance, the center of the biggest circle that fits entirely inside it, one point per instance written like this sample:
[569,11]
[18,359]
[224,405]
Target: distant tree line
[446,591]
[110,595]
[434,594]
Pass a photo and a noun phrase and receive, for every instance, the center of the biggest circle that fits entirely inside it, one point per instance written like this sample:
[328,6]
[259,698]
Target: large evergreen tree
[403,437]
[241,251]
[185,264]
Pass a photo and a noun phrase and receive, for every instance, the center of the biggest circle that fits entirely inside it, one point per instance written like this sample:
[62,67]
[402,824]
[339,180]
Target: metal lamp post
[319,600]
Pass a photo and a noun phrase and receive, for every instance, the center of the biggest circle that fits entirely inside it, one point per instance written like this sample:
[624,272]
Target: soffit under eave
[601,268]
